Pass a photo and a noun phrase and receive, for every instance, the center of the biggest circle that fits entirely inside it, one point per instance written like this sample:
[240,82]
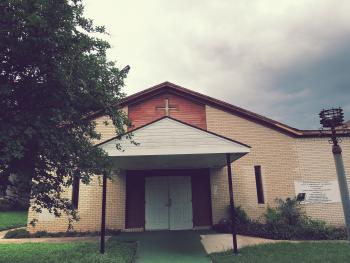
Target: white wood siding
[170,137]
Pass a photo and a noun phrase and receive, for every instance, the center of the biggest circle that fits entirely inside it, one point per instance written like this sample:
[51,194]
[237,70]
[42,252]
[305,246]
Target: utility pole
[332,119]
[103,213]
[232,204]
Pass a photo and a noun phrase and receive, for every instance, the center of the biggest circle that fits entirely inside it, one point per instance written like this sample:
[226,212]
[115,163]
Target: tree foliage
[54,75]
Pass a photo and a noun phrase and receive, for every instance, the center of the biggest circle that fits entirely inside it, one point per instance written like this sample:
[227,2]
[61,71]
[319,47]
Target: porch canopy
[168,143]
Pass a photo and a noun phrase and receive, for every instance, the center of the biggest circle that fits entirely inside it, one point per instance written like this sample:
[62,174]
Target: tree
[54,74]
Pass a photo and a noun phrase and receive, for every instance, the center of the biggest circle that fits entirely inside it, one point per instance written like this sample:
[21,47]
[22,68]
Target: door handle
[169,203]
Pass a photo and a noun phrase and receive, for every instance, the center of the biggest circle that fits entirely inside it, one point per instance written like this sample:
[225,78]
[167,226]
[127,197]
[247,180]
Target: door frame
[135,195]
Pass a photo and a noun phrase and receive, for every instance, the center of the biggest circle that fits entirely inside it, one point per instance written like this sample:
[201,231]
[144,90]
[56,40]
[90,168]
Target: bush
[12,205]
[310,229]
[270,231]
[290,211]
[4,205]
[17,233]
[241,216]
[272,216]
[40,234]
[225,224]
[286,221]
[22,233]
[287,212]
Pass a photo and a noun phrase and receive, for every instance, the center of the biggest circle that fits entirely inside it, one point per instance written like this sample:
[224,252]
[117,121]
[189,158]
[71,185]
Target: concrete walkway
[223,242]
[3,233]
[168,246]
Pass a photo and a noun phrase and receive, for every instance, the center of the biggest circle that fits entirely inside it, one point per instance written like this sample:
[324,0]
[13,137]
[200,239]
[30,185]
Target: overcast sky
[283,59]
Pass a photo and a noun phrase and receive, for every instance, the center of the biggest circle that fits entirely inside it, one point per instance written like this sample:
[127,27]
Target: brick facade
[283,160]
[273,150]
[90,196]
[186,110]
[316,164]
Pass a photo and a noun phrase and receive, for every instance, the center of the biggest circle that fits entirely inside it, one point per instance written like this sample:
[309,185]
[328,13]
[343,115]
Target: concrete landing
[223,242]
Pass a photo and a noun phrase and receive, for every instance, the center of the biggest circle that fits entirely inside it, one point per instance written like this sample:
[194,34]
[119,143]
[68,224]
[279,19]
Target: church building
[175,177]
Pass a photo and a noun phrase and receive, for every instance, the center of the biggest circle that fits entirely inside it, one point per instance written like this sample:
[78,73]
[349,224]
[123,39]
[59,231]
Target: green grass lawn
[305,252]
[82,252]
[12,219]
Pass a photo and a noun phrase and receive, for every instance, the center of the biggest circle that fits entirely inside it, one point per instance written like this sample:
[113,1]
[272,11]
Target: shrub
[225,224]
[40,234]
[287,211]
[310,229]
[272,216]
[4,205]
[336,233]
[270,231]
[285,221]
[17,233]
[22,233]
[241,216]
[290,211]
[12,205]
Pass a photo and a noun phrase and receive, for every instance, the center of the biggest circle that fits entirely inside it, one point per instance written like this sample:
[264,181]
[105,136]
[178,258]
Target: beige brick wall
[283,160]
[316,164]
[89,208]
[46,221]
[90,199]
[274,151]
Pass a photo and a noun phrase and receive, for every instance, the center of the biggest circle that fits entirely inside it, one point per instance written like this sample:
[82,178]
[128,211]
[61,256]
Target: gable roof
[170,143]
[157,121]
[204,99]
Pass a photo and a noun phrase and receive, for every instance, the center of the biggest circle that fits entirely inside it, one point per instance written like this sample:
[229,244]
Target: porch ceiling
[169,143]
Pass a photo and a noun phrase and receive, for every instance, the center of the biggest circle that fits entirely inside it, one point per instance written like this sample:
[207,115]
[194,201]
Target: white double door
[168,203]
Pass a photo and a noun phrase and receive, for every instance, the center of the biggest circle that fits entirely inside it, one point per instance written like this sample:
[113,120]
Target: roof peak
[185,92]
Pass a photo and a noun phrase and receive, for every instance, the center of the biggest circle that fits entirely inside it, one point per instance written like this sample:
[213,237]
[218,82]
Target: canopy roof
[169,143]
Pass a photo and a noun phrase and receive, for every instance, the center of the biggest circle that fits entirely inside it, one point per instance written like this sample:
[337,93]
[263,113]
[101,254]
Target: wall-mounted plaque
[318,192]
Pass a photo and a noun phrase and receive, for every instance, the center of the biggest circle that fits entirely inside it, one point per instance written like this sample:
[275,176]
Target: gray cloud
[323,82]
[283,59]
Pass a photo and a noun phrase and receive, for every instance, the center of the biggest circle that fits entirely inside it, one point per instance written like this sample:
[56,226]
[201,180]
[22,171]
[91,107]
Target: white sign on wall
[318,192]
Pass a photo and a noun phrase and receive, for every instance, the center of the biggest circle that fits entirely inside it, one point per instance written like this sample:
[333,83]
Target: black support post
[103,213]
[232,204]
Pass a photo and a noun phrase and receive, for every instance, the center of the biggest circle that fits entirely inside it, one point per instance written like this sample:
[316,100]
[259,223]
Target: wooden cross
[167,108]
